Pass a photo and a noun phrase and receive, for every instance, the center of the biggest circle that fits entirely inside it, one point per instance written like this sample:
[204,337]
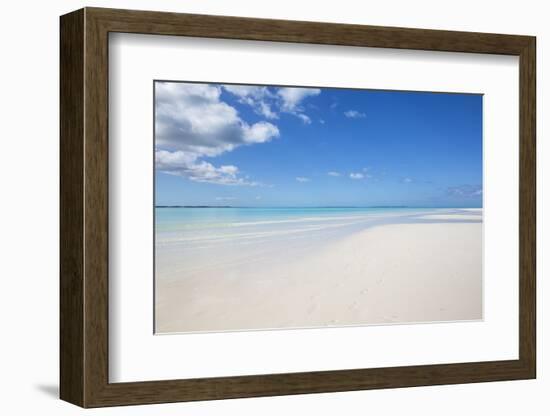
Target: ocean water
[195,242]
[201,228]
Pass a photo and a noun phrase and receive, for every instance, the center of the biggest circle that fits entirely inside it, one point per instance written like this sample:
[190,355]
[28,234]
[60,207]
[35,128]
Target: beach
[230,269]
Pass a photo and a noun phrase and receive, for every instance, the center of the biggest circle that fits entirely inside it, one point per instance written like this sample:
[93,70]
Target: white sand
[447,217]
[465,214]
[387,274]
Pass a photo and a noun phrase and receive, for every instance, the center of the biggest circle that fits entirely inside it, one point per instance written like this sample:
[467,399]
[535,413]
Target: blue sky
[219,144]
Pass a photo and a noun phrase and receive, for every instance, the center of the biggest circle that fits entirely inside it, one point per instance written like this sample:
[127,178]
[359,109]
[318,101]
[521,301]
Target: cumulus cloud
[192,122]
[332,173]
[290,100]
[247,92]
[305,119]
[302,179]
[354,114]
[268,102]
[192,118]
[187,165]
[292,97]
[260,132]
[256,97]
[264,109]
[465,191]
[356,175]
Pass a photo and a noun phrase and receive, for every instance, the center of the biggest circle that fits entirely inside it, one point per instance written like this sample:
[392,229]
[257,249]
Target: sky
[271,146]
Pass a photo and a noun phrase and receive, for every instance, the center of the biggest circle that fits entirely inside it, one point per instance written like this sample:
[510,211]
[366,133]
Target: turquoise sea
[197,228]
[191,242]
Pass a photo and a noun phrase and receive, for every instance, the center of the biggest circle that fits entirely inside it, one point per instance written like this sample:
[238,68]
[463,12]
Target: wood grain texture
[84,207]
[96,208]
[162,23]
[527,208]
[71,208]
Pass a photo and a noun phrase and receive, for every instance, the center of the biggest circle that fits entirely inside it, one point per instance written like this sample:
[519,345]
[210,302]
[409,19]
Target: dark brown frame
[84,207]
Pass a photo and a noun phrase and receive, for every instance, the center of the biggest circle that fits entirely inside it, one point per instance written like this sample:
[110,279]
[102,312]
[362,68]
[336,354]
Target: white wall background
[29,210]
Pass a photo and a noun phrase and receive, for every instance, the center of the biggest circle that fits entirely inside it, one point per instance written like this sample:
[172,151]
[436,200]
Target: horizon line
[311,206]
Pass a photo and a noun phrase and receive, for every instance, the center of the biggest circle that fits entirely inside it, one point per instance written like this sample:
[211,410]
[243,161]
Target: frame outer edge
[84,208]
[528,208]
[71,291]
[96,209]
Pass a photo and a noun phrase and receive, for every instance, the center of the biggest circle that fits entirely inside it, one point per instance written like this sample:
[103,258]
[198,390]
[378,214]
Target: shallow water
[195,240]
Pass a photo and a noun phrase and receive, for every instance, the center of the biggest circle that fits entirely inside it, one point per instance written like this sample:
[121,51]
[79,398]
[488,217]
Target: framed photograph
[260,207]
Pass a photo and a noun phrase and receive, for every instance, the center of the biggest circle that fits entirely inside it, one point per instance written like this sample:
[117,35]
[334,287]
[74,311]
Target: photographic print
[285,207]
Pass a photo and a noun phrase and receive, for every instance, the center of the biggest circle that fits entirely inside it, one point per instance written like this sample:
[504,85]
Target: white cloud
[247,91]
[356,175]
[292,97]
[267,102]
[354,114]
[258,197]
[192,123]
[260,132]
[332,173]
[407,180]
[321,121]
[186,165]
[302,179]
[264,109]
[303,117]
[256,97]
[192,118]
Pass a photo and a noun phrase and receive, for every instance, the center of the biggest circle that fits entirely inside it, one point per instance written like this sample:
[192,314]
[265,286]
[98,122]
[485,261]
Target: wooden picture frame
[84,208]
